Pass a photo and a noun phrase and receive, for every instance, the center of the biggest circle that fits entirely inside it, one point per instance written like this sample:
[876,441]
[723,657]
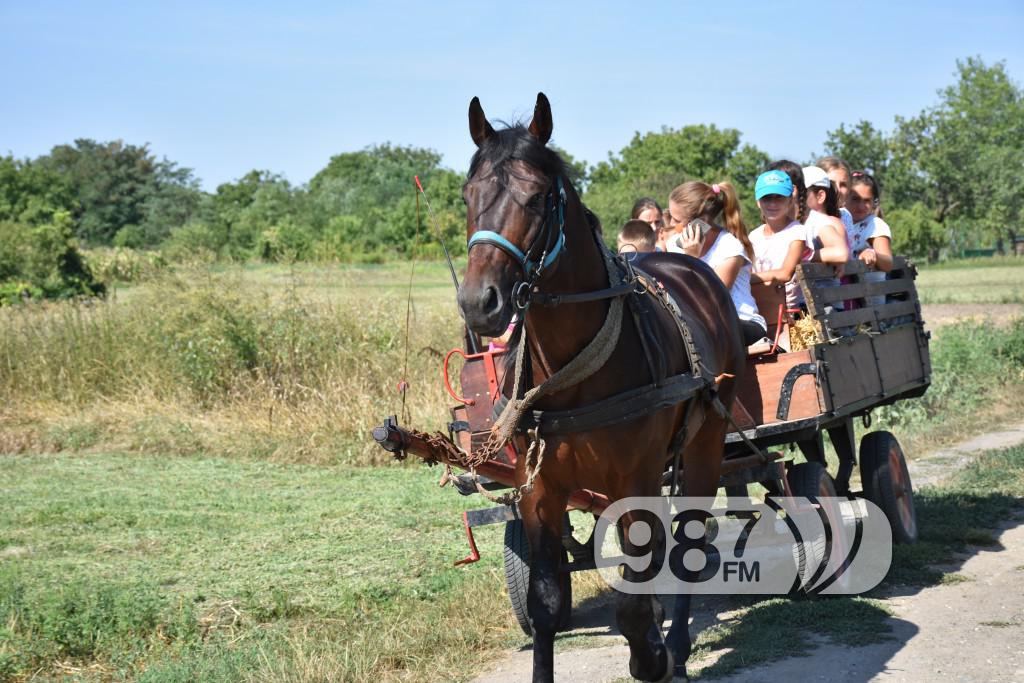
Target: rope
[593,356]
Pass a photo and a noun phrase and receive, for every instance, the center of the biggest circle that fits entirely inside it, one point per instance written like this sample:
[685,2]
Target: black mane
[516,143]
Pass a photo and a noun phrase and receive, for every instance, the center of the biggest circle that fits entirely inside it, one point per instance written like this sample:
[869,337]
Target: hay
[803,334]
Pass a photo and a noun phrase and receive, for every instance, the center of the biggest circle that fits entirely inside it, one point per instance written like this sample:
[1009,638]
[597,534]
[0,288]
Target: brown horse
[530,236]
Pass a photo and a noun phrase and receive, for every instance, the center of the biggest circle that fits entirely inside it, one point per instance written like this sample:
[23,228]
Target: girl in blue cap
[779,242]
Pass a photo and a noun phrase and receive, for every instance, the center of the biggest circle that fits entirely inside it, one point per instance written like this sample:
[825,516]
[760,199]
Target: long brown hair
[708,202]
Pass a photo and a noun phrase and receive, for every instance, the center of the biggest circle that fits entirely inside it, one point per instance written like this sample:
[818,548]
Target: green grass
[165,565]
[976,281]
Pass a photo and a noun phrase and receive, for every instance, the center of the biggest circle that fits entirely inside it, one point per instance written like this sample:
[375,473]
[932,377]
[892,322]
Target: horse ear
[541,125]
[479,127]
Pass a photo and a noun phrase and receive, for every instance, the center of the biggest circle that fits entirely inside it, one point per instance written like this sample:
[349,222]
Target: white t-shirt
[725,247]
[770,254]
[867,229]
[870,228]
[847,218]
[816,220]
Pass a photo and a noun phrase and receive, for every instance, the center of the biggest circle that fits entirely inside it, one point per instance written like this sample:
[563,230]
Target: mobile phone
[703,226]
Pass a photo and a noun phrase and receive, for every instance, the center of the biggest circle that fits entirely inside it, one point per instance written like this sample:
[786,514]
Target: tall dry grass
[217,363]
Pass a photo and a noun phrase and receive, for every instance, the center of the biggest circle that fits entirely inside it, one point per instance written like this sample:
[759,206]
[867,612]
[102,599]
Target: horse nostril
[491,301]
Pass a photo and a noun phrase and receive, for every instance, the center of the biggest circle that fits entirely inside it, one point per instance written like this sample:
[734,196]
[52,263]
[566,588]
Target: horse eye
[535,203]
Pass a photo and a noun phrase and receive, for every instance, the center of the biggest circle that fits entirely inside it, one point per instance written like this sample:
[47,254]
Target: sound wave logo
[828,546]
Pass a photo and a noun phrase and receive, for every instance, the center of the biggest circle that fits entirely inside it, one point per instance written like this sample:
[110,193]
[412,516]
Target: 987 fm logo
[828,546]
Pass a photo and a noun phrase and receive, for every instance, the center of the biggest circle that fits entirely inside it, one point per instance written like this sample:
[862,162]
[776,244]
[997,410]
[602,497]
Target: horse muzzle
[486,310]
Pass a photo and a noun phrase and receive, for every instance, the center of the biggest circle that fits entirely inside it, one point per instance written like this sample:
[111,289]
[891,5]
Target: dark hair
[642,204]
[831,198]
[831,163]
[864,178]
[796,174]
[516,143]
[638,231]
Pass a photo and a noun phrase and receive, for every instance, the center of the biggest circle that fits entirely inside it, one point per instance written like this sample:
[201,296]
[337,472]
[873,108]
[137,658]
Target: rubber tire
[809,480]
[517,577]
[883,471]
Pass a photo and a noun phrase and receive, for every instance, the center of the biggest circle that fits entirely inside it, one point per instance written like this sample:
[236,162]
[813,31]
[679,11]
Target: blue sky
[223,88]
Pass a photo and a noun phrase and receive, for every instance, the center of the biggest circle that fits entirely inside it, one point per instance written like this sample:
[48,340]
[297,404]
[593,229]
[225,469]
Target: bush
[969,360]
[43,262]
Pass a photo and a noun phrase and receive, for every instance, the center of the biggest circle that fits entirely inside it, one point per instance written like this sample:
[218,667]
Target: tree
[31,193]
[118,186]
[862,146]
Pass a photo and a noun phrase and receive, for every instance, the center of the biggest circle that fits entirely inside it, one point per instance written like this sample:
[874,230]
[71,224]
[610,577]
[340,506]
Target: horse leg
[701,471]
[543,514]
[639,616]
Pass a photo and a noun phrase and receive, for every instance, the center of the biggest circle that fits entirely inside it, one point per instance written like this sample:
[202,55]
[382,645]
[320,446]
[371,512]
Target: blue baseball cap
[773,182]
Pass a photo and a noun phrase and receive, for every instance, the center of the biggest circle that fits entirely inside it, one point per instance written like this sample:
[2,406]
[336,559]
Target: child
[871,238]
[779,242]
[648,210]
[636,236]
[826,237]
[726,249]
[839,173]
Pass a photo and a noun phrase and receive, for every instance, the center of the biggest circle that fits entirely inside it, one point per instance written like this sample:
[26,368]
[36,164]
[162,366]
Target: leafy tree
[118,185]
[862,146]
[32,193]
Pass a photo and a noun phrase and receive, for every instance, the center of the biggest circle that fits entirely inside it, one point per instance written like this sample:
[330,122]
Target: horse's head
[515,208]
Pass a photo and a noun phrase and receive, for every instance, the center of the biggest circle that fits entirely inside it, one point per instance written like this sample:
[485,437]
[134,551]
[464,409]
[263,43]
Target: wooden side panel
[900,361]
[761,390]
[851,372]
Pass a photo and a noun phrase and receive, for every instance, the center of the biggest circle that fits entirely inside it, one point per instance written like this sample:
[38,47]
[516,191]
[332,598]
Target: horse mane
[514,142]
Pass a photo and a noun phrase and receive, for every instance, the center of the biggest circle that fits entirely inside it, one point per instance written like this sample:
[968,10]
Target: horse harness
[625,282]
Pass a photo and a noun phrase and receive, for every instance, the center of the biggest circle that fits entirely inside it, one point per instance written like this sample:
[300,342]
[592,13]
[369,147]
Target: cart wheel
[517,577]
[812,480]
[883,471]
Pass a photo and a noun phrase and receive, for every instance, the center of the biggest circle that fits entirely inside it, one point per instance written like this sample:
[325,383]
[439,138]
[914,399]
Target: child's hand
[868,256]
[691,240]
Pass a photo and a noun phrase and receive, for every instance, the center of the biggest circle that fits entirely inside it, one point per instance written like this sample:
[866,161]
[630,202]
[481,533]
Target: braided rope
[593,356]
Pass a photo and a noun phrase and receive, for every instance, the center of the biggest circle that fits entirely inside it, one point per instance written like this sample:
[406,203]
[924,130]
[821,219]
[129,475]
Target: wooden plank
[851,371]
[861,290]
[761,390]
[857,316]
[817,271]
[899,360]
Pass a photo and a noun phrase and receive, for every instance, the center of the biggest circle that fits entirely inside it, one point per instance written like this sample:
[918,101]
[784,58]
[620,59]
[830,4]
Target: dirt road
[967,631]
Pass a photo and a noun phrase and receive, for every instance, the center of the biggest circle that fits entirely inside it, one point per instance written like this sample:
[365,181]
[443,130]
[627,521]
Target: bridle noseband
[552,243]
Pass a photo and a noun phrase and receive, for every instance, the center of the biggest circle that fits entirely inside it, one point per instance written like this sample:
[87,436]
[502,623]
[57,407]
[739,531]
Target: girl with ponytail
[724,246]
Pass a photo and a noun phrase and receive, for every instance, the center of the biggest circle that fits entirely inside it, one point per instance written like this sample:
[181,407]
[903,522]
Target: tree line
[950,178]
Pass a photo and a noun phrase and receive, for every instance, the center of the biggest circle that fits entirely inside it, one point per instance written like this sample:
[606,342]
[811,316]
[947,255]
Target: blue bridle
[531,268]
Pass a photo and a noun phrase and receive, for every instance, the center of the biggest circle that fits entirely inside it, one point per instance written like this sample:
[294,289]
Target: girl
[826,237]
[725,248]
[779,242]
[840,173]
[648,211]
[871,237]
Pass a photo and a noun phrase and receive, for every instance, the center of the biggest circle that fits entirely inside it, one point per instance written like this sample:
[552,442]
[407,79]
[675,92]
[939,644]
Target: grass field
[973,281]
[190,492]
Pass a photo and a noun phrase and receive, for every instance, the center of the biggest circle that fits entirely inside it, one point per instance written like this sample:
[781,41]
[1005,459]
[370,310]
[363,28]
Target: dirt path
[967,631]
[936,315]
